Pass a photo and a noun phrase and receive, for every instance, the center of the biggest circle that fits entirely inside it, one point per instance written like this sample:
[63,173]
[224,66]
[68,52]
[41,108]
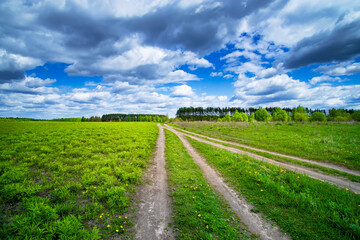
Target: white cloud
[216,74]
[182,91]
[324,78]
[340,69]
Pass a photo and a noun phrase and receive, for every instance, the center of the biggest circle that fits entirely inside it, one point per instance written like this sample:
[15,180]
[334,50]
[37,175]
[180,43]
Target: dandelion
[355,192]
[100,216]
[117,230]
[194,197]
[261,190]
[121,227]
[346,189]
[199,215]
[108,226]
[207,226]
[125,217]
[119,216]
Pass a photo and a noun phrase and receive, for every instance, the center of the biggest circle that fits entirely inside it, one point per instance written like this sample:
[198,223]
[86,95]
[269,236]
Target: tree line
[119,117]
[265,114]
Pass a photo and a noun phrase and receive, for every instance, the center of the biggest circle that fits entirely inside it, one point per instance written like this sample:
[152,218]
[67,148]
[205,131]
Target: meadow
[70,180]
[303,207]
[335,142]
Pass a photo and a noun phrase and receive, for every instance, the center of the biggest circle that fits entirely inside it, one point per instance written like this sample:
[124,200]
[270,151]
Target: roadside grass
[198,211]
[330,141]
[70,180]
[326,170]
[303,207]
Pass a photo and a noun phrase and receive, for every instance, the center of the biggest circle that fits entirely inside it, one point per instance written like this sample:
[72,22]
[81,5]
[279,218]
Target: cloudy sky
[84,57]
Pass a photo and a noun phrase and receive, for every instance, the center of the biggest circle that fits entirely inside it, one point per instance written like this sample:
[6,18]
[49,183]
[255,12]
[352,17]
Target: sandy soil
[253,221]
[323,164]
[339,181]
[155,210]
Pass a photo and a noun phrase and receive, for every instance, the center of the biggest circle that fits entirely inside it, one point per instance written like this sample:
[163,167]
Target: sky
[92,57]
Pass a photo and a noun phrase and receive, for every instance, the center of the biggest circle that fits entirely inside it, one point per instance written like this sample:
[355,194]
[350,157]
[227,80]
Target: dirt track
[253,221]
[339,181]
[154,214]
[323,164]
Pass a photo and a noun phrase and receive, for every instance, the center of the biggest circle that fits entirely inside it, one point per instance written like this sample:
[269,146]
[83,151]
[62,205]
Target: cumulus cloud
[284,91]
[29,85]
[182,91]
[340,69]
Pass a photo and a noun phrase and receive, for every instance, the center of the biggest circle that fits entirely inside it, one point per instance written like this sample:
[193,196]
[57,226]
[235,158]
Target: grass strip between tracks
[303,207]
[198,211]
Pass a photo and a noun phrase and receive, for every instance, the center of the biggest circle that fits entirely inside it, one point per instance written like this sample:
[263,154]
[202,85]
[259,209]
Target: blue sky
[82,58]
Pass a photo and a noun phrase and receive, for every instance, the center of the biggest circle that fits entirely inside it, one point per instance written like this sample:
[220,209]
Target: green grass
[70,180]
[325,170]
[198,211]
[335,142]
[303,207]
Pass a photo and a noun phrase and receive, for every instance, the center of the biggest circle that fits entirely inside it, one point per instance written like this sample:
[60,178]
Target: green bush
[300,114]
[262,115]
[318,116]
[356,115]
[280,115]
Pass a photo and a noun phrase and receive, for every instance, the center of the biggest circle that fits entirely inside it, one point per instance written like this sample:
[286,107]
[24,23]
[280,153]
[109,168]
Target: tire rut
[339,181]
[253,221]
[322,164]
[155,208]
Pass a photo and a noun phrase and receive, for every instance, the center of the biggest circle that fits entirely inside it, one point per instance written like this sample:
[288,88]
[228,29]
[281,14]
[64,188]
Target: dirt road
[339,181]
[323,164]
[154,210]
[253,221]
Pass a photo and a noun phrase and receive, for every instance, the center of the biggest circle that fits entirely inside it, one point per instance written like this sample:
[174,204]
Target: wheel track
[155,209]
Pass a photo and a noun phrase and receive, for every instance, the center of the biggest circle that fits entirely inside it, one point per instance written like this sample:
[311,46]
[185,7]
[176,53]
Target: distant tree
[356,115]
[280,115]
[252,117]
[244,117]
[237,117]
[262,115]
[318,116]
[227,118]
[299,114]
[339,115]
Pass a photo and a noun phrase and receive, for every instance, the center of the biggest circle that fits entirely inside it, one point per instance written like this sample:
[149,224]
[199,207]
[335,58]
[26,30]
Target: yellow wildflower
[108,226]
[261,190]
[207,226]
[121,227]
[355,192]
[117,230]
[346,189]
[119,216]
[199,215]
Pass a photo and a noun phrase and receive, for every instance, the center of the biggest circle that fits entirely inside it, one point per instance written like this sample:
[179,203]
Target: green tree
[299,114]
[280,115]
[252,117]
[262,115]
[318,116]
[356,115]
[244,117]
[237,117]
[227,118]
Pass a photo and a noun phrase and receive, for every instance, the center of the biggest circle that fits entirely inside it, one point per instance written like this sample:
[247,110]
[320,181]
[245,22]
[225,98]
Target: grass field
[335,142]
[303,207]
[198,211]
[70,180]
